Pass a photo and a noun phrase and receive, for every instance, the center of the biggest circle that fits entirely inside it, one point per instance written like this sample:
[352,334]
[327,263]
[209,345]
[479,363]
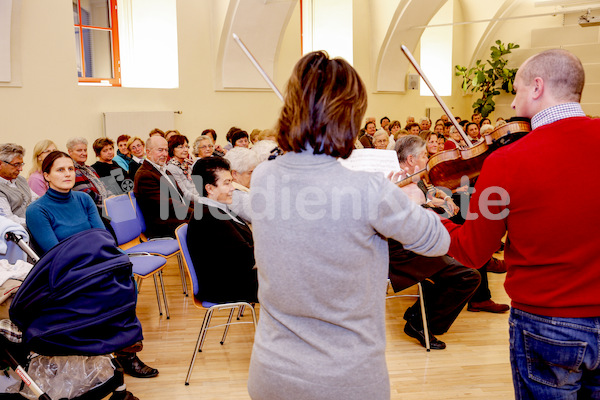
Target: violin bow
[257,65]
[414,63]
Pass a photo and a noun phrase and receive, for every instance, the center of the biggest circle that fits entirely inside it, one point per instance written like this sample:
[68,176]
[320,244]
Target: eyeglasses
[17,165]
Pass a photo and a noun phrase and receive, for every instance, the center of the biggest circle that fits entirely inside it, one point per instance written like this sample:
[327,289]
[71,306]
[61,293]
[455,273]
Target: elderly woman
[86,179]
[243,161]
[203,146]
[220,242]
[36,179]
[322,255]
[381,140]
[180,165]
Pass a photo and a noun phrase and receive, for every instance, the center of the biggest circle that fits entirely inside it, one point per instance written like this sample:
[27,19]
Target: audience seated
[242,161]
[219,151]
[36,180]
[381,140]
[163,210]
[220,242]
[267,134]
[156,131]
[441,142]
[485,128]
[254,135]
[180,165]
[432,143]
[203,147]
[367,138]
[15,193]
[230,132]
[395,127]
[384,124]
[264,149]
[123,157]
[240,139]
[425,123]
[62,212]
[136,148]
[171,133]
[472,130]
[86,179]
[114,178]
[413,128]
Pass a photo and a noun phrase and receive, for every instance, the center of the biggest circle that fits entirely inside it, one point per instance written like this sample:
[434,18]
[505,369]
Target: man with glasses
[15,193]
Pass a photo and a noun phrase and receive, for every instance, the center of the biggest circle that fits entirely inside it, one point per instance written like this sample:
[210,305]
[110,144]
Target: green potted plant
[489,77]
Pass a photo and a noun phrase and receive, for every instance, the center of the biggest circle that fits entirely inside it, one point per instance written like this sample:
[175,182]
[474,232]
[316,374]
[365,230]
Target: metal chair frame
[143,238]
[210,308]
[133,254]
[421,301]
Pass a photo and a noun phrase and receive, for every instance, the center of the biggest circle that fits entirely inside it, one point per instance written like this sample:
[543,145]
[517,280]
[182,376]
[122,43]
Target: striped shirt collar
[556,113]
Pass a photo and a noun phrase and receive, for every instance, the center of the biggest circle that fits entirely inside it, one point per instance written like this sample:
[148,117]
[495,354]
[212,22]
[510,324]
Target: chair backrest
[123,218]
[138,212]
[181,235]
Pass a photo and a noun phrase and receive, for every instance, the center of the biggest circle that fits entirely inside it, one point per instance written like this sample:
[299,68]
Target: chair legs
[423,311]
[158,282]
[162,285]
[206,326]
[182,274]
[424,316]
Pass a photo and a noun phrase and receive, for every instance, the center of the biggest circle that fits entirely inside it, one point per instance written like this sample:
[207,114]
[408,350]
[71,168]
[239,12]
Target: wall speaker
[413,82]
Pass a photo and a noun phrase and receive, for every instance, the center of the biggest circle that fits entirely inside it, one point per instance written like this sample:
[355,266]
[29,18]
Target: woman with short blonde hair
[36,179]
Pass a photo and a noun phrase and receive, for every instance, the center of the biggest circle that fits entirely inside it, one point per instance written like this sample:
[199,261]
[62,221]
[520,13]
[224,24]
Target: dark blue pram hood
[79,299]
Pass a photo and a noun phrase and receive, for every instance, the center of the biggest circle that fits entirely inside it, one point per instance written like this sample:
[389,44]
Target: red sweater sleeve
[474,242]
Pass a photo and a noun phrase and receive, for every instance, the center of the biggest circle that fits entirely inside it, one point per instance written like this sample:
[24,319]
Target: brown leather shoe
[496,266]
[488,306]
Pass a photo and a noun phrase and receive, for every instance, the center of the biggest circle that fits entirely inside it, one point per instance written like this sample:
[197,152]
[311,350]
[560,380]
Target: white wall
[50,104]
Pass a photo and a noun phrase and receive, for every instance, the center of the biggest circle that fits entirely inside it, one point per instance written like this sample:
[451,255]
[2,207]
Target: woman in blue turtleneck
[61,212]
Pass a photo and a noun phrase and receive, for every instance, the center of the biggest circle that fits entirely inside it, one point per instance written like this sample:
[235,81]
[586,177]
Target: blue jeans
[554,358]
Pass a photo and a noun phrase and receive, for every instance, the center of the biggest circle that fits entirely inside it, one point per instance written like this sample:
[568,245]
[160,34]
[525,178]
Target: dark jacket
[146,188]
[222,251]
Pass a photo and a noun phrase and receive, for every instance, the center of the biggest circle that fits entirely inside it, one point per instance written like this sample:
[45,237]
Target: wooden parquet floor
[475,364]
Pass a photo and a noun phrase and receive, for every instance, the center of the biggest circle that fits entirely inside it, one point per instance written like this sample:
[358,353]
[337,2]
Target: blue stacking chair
[208,307]
[127,230]
[165,247]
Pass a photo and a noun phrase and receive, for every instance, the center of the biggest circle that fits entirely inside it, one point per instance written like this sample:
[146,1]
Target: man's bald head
[561,71]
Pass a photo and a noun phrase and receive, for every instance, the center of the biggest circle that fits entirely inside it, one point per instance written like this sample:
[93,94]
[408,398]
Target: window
[436,53]
[97,41]
[327,25]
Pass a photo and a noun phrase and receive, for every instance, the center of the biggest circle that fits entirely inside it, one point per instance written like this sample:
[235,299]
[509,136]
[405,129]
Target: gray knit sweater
[322,257]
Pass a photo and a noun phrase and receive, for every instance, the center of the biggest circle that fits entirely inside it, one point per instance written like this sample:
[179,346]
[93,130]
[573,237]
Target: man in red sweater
[552,247]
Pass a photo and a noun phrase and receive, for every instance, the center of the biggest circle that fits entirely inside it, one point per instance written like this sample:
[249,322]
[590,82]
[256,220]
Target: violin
[446,168]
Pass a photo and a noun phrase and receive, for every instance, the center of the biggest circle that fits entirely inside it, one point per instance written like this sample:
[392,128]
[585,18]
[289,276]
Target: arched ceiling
[262,23]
